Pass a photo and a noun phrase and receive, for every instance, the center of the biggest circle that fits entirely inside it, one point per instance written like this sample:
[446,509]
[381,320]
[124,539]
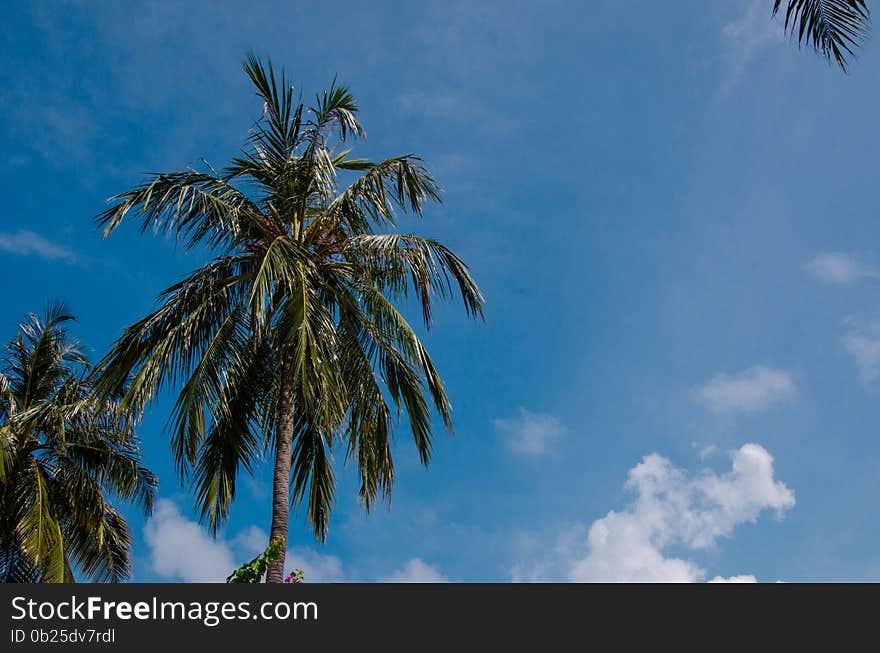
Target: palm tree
[290,339]
[61,453]
[831,27]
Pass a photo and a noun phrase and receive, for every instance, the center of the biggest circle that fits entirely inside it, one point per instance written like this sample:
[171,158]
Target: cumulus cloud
[317,567]
[751,390]
[181,550]
[28,243]
[416,571]
[735,579]
[529,434]
[864,346]
[838,267]
[673,510]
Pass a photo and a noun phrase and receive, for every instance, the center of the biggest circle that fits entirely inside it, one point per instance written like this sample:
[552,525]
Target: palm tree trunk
[281,478]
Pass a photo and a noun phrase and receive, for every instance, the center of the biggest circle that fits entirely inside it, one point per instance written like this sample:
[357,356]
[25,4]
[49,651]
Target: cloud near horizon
[181,550]
[416,570]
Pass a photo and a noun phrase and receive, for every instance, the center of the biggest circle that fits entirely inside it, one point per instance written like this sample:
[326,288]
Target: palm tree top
[64,454]
[294,323]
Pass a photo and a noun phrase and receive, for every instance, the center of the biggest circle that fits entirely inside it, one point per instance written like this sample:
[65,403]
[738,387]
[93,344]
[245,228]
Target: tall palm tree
[831,27]
[290,339]
[62,454]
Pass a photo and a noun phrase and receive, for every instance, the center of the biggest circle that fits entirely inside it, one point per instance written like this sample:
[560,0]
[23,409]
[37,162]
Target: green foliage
[831,27]
[62,453]
[296,577]
[253,571]
[302,295]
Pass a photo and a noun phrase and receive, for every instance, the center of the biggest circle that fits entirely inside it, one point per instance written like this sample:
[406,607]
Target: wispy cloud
[864,345]
[530,434]
[748,36]
[671,511]
[751,390]
[28,243]
[839,267]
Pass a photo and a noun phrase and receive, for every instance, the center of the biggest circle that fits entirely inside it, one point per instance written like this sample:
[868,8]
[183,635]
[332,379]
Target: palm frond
[312,475]
[370,200]
[831,27]
[101,552]
[337,107]
[15,567]
[165,345]
[114,467]
[277,135]
[234,440]
[196,207]
[370,421]
[38,529]
[394,261]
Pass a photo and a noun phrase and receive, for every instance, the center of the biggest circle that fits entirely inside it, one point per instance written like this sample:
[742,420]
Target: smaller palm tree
[62,453]
[831,27]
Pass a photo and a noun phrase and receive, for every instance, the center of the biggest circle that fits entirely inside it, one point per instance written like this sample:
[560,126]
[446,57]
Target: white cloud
[838,267]
[181,550]
[529,434]
[28,243]
[671,512]
[748,36]
[416,571]
[864,346]
[735,579]
[671,509]
[251,541]
[751,390]
[317,567]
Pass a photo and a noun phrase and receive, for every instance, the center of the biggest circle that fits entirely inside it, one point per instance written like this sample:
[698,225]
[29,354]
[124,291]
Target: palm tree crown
[61,453]
[290,338]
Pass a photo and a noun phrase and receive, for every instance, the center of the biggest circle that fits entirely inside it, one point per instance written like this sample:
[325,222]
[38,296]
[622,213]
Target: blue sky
[672,213]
